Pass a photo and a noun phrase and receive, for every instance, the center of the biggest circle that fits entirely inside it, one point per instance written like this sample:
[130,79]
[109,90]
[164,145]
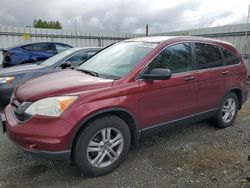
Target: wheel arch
[238,92]
[124,114]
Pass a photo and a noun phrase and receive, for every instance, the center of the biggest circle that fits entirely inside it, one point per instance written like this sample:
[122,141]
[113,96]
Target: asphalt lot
[198,155]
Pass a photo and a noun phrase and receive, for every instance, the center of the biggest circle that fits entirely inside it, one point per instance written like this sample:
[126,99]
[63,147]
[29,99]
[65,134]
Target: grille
[17,106]
[22,117]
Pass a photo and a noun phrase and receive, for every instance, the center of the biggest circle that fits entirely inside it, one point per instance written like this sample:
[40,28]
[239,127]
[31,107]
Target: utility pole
[146,30]
[75,26]
[246,34]
[76,32]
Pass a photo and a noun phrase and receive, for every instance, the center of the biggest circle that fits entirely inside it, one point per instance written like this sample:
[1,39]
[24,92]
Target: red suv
[93,114]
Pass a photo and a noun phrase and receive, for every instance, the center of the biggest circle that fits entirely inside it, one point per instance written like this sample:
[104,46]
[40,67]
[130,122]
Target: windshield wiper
[92,73]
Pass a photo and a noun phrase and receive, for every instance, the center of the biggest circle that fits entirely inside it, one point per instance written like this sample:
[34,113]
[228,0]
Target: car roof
[45,43]
[21,45]
[151,39]
[161,39]
[86,48]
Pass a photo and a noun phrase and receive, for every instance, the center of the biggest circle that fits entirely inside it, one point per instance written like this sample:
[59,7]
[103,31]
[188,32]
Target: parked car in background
[30,53]
[10,77]
[136,87]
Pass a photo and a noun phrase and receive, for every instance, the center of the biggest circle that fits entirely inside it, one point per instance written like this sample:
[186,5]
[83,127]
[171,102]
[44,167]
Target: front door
[163,101]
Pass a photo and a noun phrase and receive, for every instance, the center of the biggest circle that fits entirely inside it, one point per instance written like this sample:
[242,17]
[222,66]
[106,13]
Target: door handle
[224,72]
[189,78]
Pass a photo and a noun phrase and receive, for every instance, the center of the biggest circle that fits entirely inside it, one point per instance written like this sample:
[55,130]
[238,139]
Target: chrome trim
[190,71]
[22,107]
[17,120]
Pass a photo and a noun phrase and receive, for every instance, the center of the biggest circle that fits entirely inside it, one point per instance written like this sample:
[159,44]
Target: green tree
[47,24]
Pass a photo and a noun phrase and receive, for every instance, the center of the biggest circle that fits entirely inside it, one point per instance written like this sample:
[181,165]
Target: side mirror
[158,74]
[65,65]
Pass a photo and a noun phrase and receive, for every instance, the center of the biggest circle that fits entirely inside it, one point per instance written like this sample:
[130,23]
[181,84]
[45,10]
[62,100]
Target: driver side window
[79,58]
[177,58]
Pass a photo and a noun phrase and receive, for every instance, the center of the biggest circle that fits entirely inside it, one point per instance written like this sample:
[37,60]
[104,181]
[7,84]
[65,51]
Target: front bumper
[59,155]
[6,63]
[44,137]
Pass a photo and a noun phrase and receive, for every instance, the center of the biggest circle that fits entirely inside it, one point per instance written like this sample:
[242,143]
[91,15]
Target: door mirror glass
[158,74]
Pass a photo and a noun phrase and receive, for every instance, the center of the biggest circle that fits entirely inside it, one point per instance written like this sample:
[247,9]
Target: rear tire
[228,111]
[102,146]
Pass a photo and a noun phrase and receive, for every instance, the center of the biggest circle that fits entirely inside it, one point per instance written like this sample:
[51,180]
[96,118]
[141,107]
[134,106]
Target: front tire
[102,146]
[228,111]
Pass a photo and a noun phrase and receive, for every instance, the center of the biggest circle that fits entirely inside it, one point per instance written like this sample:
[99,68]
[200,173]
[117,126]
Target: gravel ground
[198,155]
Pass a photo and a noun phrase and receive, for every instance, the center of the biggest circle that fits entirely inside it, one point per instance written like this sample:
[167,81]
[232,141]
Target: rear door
[210,77]
[163,101]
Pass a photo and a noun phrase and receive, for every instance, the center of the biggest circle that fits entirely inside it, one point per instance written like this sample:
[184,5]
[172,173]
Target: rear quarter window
[61,47]
[230,58]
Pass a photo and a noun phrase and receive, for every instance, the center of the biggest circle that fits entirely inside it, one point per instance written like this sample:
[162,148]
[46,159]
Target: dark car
[93,114]
[30,53]
[10,77]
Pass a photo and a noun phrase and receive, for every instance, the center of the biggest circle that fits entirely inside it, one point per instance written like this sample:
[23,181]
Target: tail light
[6,53]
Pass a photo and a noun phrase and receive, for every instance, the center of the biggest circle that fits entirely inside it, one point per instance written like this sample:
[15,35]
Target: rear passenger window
[40,47]
[28,47]
[60,48]
[177,58]
[229,58]
[44,48]
[208,56]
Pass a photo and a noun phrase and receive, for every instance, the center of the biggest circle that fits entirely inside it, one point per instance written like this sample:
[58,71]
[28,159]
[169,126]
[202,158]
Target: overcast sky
[125,15]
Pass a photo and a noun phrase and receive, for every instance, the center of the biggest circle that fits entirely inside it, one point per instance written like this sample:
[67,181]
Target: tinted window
[58,57]
[60,48]
[177,58]
[44,48]
[78,58]
[90,54]
[28,47]
[229,58]
[208,56]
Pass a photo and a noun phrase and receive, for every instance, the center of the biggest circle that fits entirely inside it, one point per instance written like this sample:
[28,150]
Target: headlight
[53,106]
[6,80]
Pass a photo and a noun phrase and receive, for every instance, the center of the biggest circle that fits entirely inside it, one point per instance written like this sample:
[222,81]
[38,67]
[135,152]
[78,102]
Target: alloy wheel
[228,110]
[105,147]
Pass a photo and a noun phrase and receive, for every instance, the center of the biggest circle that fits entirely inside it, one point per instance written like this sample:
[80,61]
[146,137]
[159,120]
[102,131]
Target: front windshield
[54,59]
[117,60]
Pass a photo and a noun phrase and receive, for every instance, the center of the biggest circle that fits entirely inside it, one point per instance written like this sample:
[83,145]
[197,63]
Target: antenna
[76,31]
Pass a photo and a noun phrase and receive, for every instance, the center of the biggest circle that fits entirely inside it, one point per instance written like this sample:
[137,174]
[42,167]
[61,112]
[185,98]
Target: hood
[19,69]
[59,83]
